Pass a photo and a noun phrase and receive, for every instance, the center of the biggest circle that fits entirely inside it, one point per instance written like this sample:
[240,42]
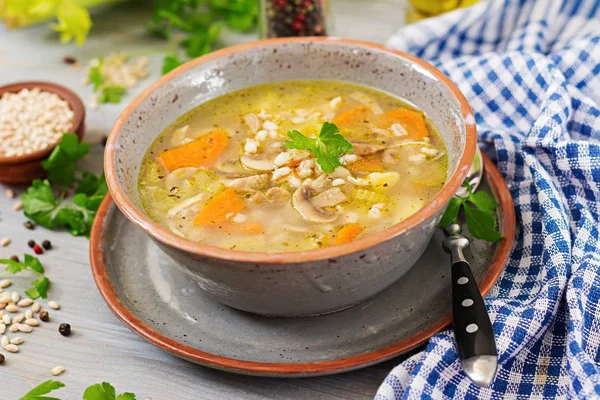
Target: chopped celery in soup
[265,168]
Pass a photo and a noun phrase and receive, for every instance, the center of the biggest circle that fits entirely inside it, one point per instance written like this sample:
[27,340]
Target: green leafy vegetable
[170,63]
[40,205]
[61,163]
[74,21]
[112,94]
[199,22]
[39,287]
[95,75]
[39,392]
[100,391]
[105,391]
[479,209]
[327,147]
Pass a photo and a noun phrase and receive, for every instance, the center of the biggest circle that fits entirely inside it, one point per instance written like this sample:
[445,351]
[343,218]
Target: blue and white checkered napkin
[531,71]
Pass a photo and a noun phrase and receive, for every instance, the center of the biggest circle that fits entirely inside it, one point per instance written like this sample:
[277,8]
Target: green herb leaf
[39,203]
[327,147]
[483,201]
[170,63]
[481,224]
[111,94]
[33,263]
[39,288]
[105,391]
[38,392]
[95,76]
[451,212]
[12,266]
[61,163]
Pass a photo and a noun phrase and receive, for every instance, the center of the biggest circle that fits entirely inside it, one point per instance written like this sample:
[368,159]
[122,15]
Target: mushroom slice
[257,163]
[302,204]
[252,121]
[277,195]
[328,198]
[364,149]
[249,183]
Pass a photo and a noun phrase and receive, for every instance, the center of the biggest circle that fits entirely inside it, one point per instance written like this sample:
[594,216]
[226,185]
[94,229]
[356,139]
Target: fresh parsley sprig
[42,206]
[327,147]
[479,208]
[194,25]
[39,287]
[100,391]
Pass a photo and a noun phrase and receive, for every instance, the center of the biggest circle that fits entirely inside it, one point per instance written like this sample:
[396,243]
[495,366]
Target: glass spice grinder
[285,18]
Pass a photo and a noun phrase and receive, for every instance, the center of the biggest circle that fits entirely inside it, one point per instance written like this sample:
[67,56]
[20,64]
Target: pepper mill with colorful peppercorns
[284,18]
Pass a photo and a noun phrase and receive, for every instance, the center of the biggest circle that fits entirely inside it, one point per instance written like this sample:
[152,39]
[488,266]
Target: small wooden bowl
[25,168]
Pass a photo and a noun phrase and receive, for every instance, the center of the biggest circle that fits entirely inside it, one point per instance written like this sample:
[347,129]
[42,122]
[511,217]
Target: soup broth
[223,174]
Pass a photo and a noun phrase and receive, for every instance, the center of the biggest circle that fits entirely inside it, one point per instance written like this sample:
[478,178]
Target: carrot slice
[222,207]
[201,152]
[246,228]
[370,163]
[351,117]
[412,121]
[348,233]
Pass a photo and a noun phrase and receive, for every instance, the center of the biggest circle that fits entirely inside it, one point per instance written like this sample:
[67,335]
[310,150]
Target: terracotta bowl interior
[247,65]
[66,94]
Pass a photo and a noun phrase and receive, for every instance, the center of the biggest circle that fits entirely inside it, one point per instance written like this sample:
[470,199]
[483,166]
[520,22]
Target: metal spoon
[472,327]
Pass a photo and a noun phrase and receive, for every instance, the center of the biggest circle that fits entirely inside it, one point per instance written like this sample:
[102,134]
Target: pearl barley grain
[32,120]
[54,305]
[57,370]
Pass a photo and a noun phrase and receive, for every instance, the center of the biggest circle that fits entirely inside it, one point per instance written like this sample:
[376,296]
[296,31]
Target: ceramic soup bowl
[306,282]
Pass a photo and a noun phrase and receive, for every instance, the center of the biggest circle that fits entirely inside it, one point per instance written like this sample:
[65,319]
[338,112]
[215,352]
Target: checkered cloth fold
[531,71]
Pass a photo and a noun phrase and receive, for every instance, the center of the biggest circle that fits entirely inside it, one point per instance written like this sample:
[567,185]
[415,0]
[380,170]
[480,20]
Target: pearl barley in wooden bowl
[33,117]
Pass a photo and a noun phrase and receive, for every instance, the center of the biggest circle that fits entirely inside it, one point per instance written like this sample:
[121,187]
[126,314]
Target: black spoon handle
[472,326]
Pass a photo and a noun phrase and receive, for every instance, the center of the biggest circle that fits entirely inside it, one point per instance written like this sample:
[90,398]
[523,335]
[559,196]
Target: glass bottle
[285,18]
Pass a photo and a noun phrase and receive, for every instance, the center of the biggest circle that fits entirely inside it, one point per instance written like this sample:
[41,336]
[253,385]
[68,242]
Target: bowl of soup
[293,177]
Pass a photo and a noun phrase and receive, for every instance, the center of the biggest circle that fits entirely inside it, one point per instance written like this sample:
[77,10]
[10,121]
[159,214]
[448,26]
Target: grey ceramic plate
[144,289]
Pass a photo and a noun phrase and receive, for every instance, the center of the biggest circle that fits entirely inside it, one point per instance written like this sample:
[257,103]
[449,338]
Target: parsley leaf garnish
[479,209]
[40,205]
[39,287]
[100,391]
[170,63]
[38,392]
[111,94]
[61,162]
[95,75]
[199,22]
[327,147]
[105,391]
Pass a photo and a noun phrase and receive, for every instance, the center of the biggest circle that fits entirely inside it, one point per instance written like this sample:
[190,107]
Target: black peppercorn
[29,225]
[46,244]
[69,60]
[15,258]
[44,316]
[64,329]
[1,359]
[31,243]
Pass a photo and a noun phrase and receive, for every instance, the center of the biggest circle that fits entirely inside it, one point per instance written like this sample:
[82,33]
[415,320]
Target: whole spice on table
[14,258]
[31,243]
[2,358]
[29,225]
[46,245]
[284,18]
[64,329]
[32,120]
[44,316]
[37,249]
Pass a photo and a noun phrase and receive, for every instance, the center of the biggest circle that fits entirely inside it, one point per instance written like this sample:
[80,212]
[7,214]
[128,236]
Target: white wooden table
[101,348]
